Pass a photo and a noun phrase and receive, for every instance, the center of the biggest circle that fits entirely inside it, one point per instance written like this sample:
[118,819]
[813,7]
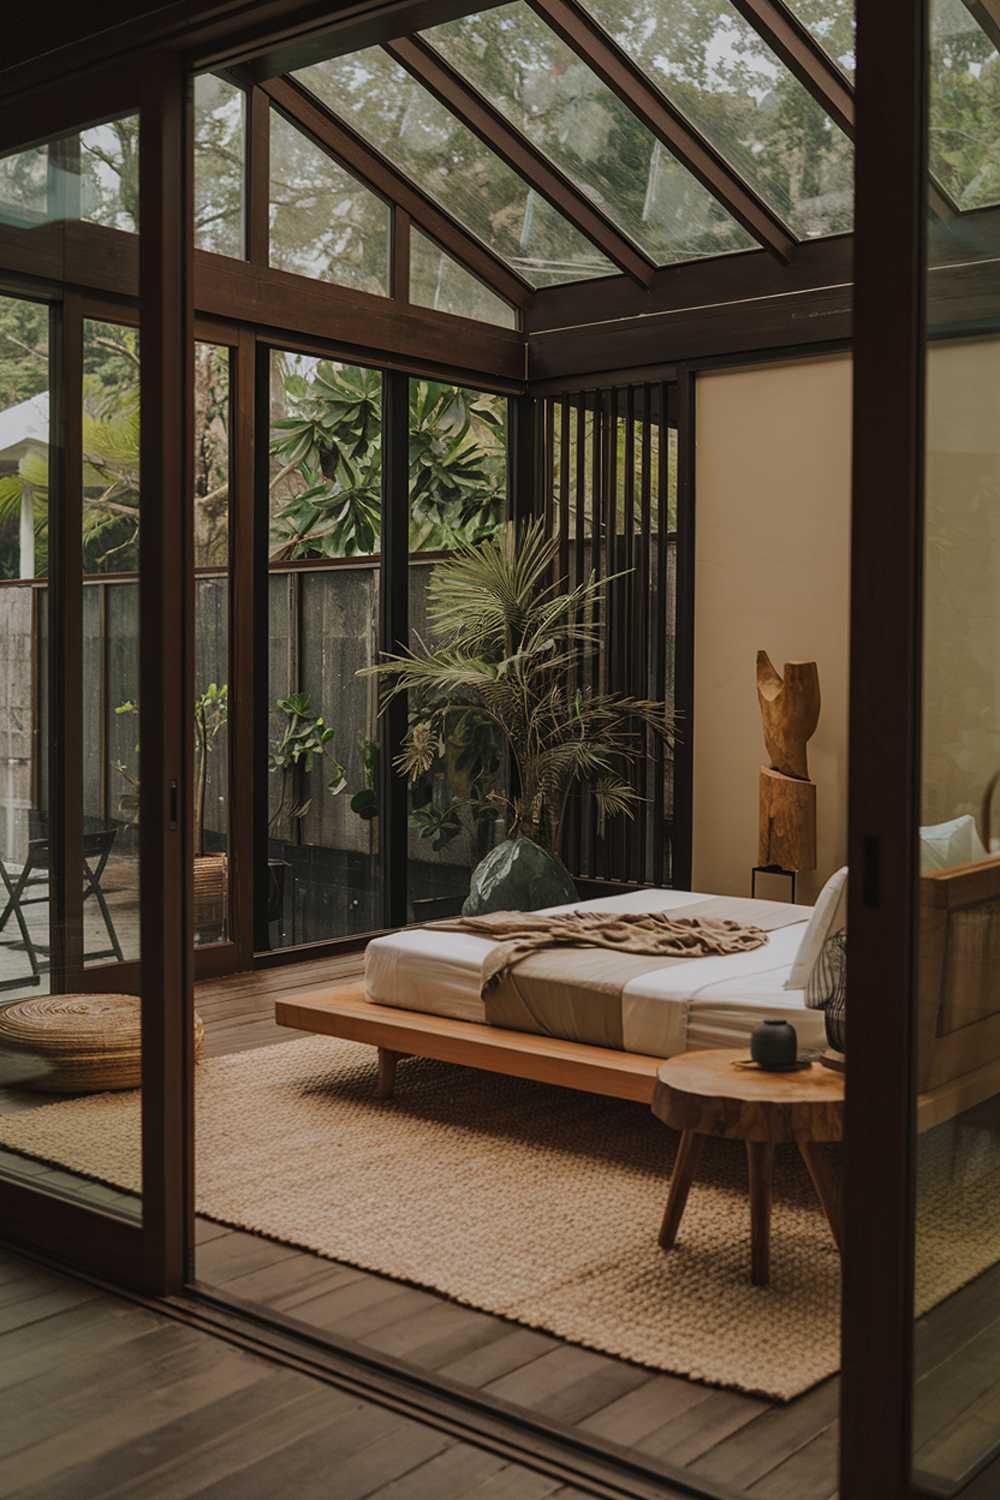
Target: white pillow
[944,845]
[829,915]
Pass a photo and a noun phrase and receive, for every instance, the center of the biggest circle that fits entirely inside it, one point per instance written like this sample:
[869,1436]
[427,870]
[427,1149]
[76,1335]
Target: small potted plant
[302,741]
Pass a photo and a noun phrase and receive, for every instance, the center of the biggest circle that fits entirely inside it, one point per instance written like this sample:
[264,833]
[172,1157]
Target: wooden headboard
[959,973]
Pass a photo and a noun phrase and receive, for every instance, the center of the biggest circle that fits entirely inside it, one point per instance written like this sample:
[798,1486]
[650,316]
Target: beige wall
[772,570]
[962,580]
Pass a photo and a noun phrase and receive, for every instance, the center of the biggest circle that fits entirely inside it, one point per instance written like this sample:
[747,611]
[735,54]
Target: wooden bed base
[344,1011]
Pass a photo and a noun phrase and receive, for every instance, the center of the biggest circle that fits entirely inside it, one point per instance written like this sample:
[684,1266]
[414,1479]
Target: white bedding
[702,1002]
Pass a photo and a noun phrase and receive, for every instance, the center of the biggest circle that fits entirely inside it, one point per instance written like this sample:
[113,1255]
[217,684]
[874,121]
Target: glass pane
[92,176]
[964,142]
[212,668]
[715,67]
[956,1418]
[111,634]
[326,502]
[438,281]
[539,84]
[832,24]
[458,471]
[458,465]
[70,1109]
[24,513]
[219,146]
[384,104]
[323,222]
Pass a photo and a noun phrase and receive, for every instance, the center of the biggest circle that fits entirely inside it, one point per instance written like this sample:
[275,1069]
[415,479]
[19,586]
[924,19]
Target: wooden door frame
[884,747]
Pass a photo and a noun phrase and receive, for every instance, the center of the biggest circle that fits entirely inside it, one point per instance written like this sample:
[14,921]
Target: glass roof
[324,222]
[390,110]
[438,281]
[718,71]
[542,88]
[964,106]
[832,24]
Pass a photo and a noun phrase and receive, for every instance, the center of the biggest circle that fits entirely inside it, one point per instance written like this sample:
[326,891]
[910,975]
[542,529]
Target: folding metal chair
[97,846]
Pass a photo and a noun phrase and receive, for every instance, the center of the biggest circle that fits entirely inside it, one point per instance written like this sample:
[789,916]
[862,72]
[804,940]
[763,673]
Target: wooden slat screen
[607,472]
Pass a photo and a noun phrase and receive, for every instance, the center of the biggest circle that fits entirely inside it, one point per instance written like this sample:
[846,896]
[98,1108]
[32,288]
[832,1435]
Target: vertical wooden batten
[394,616]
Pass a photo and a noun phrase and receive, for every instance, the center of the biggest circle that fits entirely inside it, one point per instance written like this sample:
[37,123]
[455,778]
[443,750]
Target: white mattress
[702,1002]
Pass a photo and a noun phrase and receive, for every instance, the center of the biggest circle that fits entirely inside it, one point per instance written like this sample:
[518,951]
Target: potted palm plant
[507,646]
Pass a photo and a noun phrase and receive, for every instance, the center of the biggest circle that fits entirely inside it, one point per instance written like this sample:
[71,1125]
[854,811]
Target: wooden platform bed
[959,1017]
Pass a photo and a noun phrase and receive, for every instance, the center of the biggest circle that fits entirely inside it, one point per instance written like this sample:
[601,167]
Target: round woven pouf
[78,1044]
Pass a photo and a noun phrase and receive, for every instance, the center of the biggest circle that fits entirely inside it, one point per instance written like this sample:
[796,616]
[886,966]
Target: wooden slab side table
[706,1093]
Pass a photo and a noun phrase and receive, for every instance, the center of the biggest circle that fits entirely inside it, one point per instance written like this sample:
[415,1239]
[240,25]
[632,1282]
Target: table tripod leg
[817,1158]
[688,1156]
[760,1165]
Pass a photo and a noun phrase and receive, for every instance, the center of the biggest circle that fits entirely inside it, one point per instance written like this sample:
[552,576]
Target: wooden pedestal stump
[789,710]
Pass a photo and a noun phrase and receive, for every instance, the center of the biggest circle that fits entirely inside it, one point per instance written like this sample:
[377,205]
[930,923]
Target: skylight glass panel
[390,110]
[438,281]
[542,88]
[714,67]
[324,223]
[832,25]
[964,106]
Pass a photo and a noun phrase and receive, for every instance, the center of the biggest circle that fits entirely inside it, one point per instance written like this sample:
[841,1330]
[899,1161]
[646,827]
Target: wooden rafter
[803,56]
[334,136]
[986,13]
[665,122]
[437,76]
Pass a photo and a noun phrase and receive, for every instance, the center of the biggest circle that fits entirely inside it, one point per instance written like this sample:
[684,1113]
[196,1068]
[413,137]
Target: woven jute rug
[540,1204]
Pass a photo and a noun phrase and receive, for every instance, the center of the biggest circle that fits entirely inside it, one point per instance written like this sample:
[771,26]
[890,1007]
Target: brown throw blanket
[661,934]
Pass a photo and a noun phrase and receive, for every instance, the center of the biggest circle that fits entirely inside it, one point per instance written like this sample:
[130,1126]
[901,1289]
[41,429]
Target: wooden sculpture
[789,708]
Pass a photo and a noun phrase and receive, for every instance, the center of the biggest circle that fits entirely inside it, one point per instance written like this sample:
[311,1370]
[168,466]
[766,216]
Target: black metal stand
[771,870]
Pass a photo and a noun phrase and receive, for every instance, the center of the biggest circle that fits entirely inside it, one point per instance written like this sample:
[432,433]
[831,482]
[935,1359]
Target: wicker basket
[211,890]
[78,1044]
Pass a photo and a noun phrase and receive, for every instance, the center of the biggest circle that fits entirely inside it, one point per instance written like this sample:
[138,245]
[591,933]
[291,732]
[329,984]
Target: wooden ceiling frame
[663,120]
[433,73]
[334,136]
[986,14]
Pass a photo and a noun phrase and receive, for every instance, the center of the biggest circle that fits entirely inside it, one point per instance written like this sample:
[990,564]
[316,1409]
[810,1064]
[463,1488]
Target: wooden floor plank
[187,1443]
[236,1253]
[644,1410]
[743,1458]
[685,1438]
[363,1449]
[809,1474]
[568,1383]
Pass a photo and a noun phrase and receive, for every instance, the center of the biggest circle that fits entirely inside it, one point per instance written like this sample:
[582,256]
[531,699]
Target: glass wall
[70,692]
[957,1003]
[24,515]
[326,477]
[214,694]
[458,493]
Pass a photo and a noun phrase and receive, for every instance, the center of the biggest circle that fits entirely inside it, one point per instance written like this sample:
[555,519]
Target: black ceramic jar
[773,1044]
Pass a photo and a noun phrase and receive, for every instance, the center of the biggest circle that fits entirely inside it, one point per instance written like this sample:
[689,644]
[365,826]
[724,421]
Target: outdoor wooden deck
[738,1441]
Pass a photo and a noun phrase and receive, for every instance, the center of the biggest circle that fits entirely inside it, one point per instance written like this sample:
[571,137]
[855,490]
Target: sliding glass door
[94,705]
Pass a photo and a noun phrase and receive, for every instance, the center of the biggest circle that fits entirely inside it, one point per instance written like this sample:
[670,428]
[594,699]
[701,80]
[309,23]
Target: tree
[326,450]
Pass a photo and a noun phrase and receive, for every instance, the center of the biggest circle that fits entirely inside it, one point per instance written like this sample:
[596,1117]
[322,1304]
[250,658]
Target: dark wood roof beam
[437,76]
[987,15]
[665,122]
[803,56]
[334,136]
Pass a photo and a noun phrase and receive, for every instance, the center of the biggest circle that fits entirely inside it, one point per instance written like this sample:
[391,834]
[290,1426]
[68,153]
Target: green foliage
[301,742]
[327,453]
[508,641]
